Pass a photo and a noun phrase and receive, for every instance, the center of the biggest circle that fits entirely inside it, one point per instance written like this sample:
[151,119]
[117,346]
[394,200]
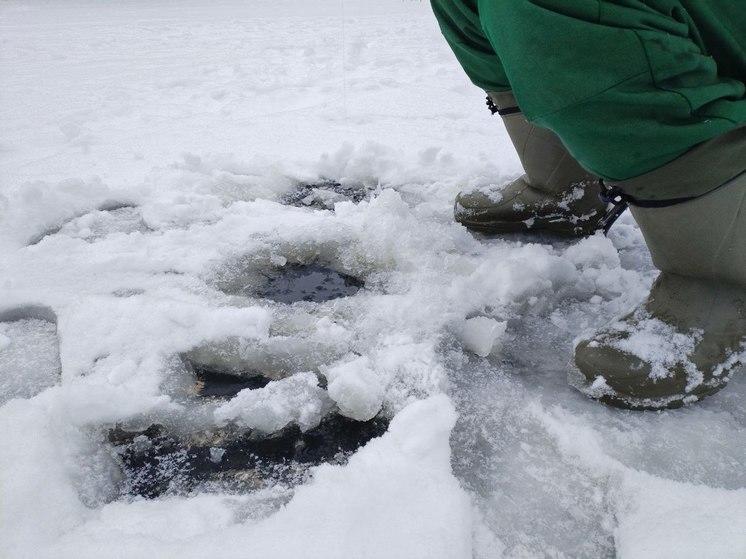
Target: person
[614,103]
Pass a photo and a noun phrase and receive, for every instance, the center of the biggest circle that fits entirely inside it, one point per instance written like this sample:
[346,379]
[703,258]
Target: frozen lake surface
[228,226]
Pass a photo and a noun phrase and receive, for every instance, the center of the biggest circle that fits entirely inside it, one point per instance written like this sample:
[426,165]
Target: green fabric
[459,22]
[629,85]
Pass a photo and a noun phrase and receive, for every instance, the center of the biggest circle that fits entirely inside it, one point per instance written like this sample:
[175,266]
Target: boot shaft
[701,238]
[547,163]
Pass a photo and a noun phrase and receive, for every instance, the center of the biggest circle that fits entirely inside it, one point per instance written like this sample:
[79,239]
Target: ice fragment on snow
[278,260]
[356,388]
[481,334]
[216,454]
[297,399]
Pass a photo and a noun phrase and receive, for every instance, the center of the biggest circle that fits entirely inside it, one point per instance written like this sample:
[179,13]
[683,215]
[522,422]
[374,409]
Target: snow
[145,152]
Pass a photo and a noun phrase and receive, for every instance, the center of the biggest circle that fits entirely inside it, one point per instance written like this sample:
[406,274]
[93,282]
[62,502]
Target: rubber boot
[555,194]
[687,339]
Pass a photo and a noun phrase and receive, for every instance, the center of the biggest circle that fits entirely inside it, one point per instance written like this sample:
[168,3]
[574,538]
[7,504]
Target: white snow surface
[145,150]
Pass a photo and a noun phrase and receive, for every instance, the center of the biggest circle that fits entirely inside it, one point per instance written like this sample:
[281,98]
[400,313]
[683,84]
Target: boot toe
[519,207]
[622,379]
[497,211]
[491,199]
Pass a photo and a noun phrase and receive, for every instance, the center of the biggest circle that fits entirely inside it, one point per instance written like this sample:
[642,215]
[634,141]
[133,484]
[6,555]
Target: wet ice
[29,357]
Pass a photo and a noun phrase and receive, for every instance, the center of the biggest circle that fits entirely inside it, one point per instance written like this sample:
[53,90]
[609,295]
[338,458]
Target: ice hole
[307,282]
[155,462]
[29,352]
[105,220]
[300,277]
[324,195]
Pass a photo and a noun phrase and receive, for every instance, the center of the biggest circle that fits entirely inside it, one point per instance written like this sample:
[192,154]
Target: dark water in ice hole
[308,282]
[156,462]
[216,384]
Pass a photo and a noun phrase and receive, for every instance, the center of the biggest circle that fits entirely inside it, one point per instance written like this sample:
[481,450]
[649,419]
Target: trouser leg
[460,24]
[556,194]
[629,85]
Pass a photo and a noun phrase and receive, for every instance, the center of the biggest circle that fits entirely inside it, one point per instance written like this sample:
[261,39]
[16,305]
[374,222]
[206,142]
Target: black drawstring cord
[619,201]
[502,112]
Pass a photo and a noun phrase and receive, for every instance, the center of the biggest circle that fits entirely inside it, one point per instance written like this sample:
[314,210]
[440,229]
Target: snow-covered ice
[156,159]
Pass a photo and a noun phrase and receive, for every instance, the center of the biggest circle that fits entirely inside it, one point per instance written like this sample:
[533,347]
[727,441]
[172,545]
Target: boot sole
[616,399]
[503,227]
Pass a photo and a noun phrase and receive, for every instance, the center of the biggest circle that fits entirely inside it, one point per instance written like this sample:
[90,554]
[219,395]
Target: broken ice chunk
[356,388]
[216,454]
[278,260]
[481,334]
[296,399]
